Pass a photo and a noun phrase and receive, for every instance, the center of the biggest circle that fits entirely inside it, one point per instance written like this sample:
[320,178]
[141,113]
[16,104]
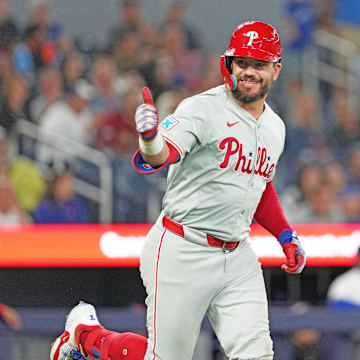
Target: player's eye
[240,62]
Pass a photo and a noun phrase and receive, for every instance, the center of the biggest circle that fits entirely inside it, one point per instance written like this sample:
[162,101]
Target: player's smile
[249,83]
[250,90]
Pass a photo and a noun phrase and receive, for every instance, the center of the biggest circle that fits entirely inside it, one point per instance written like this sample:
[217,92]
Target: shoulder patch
[169,122]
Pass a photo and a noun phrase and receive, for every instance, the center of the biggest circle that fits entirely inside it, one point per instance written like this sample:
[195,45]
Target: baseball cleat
[79,318]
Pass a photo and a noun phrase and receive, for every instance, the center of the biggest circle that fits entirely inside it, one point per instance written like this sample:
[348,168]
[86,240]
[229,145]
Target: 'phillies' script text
[244,163]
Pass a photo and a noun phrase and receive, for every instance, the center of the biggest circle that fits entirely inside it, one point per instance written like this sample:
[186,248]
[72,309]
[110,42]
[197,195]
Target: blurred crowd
[88,96]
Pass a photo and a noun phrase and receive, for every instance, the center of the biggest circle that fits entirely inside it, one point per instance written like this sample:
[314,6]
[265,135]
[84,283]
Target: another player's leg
[84,336]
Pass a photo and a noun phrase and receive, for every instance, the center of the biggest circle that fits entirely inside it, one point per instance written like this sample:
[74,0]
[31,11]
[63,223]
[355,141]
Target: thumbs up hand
[146,117]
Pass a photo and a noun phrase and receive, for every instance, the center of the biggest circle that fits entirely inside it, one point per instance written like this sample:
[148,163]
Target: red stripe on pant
[156,289]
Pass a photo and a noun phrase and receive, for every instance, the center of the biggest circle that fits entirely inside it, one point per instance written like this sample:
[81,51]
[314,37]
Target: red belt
[178,229]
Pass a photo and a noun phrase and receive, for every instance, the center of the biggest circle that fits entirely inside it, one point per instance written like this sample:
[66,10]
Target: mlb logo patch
[169,123]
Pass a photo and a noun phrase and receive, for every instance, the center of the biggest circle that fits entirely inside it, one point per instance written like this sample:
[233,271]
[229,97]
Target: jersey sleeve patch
[169,123]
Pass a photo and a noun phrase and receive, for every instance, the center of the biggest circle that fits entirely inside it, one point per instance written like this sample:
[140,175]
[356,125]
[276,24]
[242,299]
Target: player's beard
[248,99]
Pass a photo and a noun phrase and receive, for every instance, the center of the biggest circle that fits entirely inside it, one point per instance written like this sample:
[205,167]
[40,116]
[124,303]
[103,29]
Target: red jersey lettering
[233,148]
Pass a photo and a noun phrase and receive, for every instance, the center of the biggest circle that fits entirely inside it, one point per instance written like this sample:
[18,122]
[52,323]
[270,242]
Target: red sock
[111,345]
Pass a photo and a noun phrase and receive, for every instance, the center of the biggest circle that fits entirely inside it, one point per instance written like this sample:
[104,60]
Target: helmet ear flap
[226,71]
[228,63]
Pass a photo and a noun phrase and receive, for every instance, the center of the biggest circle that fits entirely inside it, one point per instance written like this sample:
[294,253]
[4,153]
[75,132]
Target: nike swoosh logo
[229,124]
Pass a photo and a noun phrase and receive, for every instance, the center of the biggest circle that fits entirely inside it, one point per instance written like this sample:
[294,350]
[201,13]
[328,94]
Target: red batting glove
[295,254]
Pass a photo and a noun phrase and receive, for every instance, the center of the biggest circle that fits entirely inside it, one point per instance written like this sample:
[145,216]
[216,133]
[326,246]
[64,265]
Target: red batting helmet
[254,39]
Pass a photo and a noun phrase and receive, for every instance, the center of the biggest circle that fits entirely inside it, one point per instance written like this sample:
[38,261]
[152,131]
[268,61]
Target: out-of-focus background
[71,75]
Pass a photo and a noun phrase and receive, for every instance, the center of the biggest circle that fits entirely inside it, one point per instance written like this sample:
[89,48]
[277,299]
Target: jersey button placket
[257,141]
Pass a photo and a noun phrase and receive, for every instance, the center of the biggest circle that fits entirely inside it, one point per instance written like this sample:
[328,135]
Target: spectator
[3,149]
[306,344]
[126,51]
[103,76]
[321,208]
[11,212]
[6,71]
[131,20]
[11,317]
[61,205]
[301,16]
[133,41]
[343,125]
[335,175]
[325,16]
[73,69]
[69,119]
[305,141]
[51,91]
[354,165]
[187,62]
[29,184]
[176,14]
[9,32]
[12,105]
[116,130]
[58,43]
[300,24]
[40,14]
[159,76]
[347,17]
[210,76]
[26,180]
[295,197]
[28,54]
[350,202]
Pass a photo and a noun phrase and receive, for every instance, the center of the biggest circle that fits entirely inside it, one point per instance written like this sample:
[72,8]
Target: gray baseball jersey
[227,157]
[226,162]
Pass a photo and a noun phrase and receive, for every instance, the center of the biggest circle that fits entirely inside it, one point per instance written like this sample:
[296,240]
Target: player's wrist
[151,146]
[287,236]
[149,135]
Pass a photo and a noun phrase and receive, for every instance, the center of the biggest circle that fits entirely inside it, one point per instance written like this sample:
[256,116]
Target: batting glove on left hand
[295,254]
[146,117]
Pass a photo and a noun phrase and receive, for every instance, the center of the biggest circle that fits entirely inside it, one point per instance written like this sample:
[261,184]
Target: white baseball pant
[186,279]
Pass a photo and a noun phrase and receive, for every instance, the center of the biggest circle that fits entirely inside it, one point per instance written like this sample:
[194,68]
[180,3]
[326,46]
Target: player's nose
[249,74]
[249,70]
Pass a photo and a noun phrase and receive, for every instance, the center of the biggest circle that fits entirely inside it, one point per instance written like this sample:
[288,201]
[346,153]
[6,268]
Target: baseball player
[221,147]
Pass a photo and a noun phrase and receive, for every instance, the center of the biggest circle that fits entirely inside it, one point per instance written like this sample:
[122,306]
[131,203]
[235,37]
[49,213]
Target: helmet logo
[252,36]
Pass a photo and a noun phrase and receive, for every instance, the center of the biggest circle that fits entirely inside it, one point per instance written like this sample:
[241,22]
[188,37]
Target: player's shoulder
[202,99]
[217,91]
[273,117]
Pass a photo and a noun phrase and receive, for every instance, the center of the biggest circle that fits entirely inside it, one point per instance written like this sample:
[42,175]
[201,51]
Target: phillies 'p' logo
[252,36]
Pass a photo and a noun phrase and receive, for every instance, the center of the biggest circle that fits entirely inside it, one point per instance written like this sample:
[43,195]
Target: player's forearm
[155,159]
[269,213]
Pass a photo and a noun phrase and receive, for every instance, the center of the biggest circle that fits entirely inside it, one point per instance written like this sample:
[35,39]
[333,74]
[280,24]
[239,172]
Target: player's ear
[277,69]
